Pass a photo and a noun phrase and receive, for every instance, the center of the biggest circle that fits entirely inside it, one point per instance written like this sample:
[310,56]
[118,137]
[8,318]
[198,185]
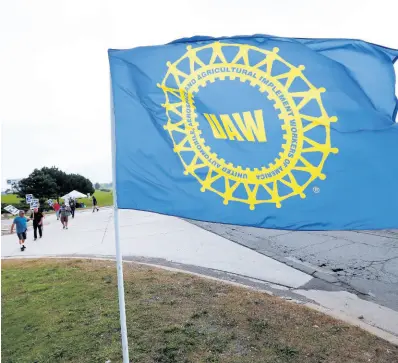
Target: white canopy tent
[74,194]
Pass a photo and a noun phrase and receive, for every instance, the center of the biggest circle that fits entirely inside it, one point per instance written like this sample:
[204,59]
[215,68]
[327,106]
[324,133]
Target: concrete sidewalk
[150,235]
[174,243]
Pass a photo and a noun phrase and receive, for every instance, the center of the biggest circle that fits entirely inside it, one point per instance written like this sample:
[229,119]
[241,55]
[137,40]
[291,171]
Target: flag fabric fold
[258,130]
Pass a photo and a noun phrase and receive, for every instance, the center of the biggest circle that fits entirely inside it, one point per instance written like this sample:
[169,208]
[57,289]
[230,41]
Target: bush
[105,190]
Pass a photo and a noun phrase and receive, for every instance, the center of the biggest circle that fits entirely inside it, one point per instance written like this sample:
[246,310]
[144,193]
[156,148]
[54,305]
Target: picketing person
[37,217]
[22,226]
[64,214]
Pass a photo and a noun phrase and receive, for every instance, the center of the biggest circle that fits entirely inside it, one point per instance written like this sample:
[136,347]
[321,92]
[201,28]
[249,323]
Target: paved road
[364,262]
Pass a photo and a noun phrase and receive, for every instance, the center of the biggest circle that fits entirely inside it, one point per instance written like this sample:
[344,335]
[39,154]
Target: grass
[10,199]
[67,311]
[103,198]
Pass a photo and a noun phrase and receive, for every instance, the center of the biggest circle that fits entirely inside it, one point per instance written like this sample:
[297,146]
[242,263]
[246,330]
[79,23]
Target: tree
[40,184]
[97,186]
[80,183]
[61,179]
[53,183]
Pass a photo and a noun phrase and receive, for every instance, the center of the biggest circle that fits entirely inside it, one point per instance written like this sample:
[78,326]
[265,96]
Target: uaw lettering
[245,127]
[275,179]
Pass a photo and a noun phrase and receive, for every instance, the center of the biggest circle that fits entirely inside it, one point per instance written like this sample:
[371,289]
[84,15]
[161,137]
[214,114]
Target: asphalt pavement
[363,262]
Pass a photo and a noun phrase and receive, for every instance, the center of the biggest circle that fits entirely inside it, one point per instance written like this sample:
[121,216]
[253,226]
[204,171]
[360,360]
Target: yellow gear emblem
[206,166]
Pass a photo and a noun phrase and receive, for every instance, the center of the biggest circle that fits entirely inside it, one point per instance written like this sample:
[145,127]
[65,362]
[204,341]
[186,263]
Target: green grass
[103,198]
[67,311]
[10,199]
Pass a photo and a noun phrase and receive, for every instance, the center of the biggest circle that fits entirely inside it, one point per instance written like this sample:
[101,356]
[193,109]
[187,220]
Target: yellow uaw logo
[268,183]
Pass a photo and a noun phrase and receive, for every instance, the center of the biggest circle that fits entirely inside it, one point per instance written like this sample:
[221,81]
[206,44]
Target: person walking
[56,207]
[95,207]
[64,214]
[22,226]
[72,205]
[37,217]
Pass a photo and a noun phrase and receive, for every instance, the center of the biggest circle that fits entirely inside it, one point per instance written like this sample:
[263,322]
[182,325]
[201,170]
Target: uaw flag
[259,131]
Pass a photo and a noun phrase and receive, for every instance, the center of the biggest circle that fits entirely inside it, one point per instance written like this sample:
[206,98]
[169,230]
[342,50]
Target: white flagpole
[119,261]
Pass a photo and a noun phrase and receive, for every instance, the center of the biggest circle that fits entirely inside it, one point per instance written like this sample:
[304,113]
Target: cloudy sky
[54,77]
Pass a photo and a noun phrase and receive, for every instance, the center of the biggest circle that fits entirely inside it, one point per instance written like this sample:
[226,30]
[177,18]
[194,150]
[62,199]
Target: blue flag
[259,131]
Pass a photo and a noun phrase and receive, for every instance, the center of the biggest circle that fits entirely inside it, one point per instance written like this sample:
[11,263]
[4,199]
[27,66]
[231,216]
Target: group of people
[62,211]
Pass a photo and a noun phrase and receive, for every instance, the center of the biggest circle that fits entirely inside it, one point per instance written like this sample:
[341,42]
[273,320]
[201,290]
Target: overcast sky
[54,76]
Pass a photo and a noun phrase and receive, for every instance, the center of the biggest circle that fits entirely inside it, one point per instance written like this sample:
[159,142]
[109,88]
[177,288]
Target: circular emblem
[245,123]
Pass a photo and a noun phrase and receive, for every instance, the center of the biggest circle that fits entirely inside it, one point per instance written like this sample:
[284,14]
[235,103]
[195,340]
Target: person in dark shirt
[95,206]
[37,217]
[72,206]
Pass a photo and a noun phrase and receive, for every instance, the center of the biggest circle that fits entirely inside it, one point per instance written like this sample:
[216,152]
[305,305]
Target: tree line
[52,183]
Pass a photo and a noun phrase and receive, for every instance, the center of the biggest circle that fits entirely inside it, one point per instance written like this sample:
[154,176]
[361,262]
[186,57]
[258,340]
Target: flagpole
[119,261]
